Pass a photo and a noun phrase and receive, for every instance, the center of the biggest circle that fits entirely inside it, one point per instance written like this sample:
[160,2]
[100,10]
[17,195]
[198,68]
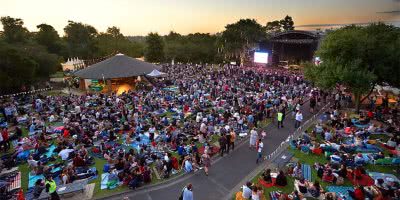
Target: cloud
[391,12]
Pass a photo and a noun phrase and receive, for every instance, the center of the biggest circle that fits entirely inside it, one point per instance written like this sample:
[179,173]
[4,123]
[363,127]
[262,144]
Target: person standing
[280,119]
[228,141]
[6,141]
[207,162]
[259,150]
[222,145]
[299,119]
[232,140]
[51,188]
[187,193]
[253,138]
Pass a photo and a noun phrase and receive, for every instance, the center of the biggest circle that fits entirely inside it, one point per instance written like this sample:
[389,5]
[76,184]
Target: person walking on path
[231,142]
[253,138]
[280,119]
[222,145]
[259,150]
[299,119]
[228,141]
[206,159]
[187,193]
[51,188]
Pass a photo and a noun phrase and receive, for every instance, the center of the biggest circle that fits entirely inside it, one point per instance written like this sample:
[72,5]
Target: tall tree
[273,27]
[240,37]
[14,31]
[81,39]
[358,58]
[287,23]
[48,37]
[154,51]
[16,69]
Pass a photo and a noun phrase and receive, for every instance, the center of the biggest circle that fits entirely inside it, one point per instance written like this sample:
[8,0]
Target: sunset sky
[139,17]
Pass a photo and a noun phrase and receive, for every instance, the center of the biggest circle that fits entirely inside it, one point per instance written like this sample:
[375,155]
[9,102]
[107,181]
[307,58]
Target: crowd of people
[351,144]
[171,127]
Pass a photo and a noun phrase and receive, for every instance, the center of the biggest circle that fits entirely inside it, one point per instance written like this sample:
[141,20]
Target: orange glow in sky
[139,17]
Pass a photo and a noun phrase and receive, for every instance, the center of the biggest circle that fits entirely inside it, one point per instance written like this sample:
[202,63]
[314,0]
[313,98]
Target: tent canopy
[118,66]
[156,73]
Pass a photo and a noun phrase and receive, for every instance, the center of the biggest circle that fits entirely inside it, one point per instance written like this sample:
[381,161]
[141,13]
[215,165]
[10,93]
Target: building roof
[118,66]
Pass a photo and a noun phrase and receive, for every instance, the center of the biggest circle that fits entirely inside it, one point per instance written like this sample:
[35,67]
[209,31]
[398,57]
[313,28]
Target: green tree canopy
[48,37]
[81,39]
[238,38]
[358,58]
[114,41]
[14,31]
[154,51]
[287,23]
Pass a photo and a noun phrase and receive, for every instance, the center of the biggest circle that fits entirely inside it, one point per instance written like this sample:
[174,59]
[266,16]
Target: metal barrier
[28,92]
[284,144]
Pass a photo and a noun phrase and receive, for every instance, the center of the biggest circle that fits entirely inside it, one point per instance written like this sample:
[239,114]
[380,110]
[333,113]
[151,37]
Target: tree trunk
[370,92]
[357,101]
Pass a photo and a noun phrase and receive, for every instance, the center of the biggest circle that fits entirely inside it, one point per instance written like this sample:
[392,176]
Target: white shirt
[246,192]
[260,147]
[299,117]
[65,153]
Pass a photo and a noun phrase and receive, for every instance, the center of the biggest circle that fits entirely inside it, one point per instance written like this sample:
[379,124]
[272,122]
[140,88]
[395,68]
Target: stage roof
[118,66]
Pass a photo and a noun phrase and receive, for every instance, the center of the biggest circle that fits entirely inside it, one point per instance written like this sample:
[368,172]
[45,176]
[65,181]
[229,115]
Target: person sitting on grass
[246,194]
[328,176]
[358,194]
[281,179]
[187,165]
[315,189]
[257,193]
[266,176]
[297,171]
[301,185]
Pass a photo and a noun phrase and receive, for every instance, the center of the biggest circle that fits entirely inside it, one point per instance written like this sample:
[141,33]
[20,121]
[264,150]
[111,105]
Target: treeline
[27,57]
[231,44]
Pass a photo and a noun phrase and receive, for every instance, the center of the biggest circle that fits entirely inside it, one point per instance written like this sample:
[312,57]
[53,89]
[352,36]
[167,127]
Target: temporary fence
[28,92]
[284,144]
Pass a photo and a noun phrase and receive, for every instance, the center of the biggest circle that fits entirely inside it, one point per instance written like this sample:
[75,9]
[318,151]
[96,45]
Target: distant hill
[138,39]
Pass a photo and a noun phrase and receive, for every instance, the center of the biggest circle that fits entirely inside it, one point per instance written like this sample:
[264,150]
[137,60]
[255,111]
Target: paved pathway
[225,173]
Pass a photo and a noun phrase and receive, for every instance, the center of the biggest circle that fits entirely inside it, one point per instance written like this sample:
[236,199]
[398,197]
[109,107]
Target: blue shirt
[187,194]
[188,166]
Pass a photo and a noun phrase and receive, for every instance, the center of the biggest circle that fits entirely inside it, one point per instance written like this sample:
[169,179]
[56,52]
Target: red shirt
[359,194]
[66,133]
[4,134]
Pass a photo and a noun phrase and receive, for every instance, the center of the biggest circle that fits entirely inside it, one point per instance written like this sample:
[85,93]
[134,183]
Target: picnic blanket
[144,140]
[109,181]
[341,191]
[364,181]
[34,178]
[385,177]
[368,148]
[50,151]
[275,195]
[306,172]
[386,161]
[214,150]
[265,184]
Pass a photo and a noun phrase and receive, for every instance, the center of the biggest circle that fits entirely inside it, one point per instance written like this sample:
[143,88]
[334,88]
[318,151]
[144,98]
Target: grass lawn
[57,75]
[303,158]
[99,163]
[24,169]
